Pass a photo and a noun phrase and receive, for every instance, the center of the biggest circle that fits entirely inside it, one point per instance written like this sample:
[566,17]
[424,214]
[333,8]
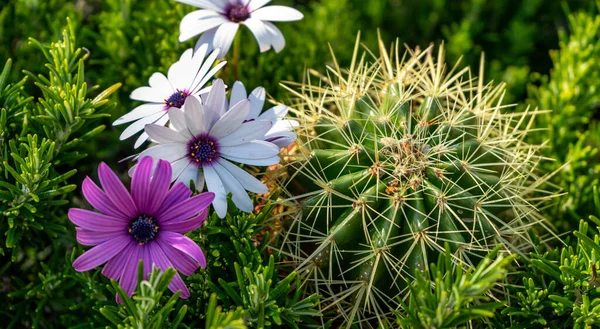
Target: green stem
[236,56]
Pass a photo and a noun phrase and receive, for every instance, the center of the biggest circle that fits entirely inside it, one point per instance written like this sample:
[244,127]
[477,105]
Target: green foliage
[53,294]
[244,279]
[561,287]
[40,19]
[397,156]
[145,309]
[39,139]
[571,96]
[452,297]
[40,142]
[217,319]
[268,306]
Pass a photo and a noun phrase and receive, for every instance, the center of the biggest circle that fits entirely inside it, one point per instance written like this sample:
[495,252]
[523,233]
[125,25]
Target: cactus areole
[397,158]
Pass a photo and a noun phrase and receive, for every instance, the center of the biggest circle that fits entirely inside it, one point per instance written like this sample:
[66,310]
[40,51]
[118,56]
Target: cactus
[396,157]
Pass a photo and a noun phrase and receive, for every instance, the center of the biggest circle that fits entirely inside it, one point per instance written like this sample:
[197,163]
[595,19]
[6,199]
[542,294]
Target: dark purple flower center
[237,12]
[203,149]
[143,229]
[176,99]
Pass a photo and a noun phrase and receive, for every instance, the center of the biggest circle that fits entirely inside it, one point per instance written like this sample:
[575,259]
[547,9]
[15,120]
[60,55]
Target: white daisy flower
[281,133]
[204,142]
[185,77]
[218,22]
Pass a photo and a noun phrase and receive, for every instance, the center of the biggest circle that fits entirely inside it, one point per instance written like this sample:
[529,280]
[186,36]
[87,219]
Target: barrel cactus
[397,157]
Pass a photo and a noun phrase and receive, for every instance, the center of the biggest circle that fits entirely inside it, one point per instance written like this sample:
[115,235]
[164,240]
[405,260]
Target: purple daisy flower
[147,224]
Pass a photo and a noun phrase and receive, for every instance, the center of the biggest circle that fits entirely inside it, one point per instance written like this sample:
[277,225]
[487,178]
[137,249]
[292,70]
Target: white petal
[277,39]
[246,133]
[207,38]
[163,134]
[208,4]
[277,14]
[139,112]
[255,4]
[158,81]
[283,125]
[201,51]
[198,118]
[192,29]
[206,72]
[255,162]
[178,166]
[199,21]
[141,139]
[256,149]
[169,151]
[210,74]
[135,127]
[149,94]
[178,120]
[238,93]
[231,120]
[275,113]
[190,173]
[215,101]
[181,73]
[224,37]
[260,32]
[238,194]
[248,181]
[282,141]
[257,101]
[144,136]
[200,181]
[214,184]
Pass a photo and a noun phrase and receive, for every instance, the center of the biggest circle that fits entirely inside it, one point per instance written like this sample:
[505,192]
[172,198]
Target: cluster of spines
[403,138]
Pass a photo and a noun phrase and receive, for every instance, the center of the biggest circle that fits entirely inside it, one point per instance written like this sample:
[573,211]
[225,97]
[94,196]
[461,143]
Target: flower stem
[236,56]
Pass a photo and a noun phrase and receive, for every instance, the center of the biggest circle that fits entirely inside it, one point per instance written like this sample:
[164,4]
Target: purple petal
[101,253]
[140,182]
[147,261]
[98,199]
[114,267]
[182,262]
[128,279]
[183,244]
[162,262]
[187,208]
[159,186]
[178,193]
[184,226]
[93,238]
[116,191]
[94,221]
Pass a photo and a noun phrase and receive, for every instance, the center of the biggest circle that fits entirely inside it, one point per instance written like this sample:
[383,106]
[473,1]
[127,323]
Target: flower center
[143,229]
[238,12]
[203,149]
[176,99]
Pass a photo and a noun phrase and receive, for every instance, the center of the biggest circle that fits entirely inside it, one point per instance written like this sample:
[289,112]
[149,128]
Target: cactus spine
[397,157]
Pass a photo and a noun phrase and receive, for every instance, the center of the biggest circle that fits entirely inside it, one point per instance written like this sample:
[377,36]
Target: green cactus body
[396,159]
